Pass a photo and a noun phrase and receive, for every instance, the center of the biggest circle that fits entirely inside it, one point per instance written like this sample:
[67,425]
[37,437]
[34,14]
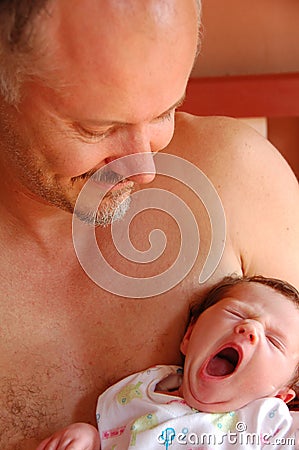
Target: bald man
[84,84]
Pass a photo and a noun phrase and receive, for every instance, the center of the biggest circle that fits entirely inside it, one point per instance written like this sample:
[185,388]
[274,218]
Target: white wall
[249,36]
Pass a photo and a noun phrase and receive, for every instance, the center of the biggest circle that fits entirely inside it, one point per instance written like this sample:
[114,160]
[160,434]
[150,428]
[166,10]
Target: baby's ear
[286,394]
[186,339]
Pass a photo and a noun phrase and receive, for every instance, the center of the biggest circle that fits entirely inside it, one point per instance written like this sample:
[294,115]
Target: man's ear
[186,339]
[286,394]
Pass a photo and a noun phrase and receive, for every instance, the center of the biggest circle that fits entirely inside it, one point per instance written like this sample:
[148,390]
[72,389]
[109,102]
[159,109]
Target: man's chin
[106,214]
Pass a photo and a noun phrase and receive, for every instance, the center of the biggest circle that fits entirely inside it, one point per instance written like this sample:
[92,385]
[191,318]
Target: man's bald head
[27,27]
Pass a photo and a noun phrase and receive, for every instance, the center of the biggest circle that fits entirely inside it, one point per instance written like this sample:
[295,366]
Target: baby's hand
[78,436]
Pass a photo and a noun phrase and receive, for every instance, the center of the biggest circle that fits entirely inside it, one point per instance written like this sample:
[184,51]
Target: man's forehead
[105,29]
[97,59]
[152,13]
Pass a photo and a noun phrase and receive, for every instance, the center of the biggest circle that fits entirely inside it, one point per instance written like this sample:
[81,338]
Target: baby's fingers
[77,436]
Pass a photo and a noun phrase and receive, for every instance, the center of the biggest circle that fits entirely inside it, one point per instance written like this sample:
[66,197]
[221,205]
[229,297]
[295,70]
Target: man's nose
[134,158]
[138,167]
[248,330]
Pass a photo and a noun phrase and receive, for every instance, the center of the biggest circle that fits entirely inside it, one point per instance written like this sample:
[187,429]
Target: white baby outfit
[131,415]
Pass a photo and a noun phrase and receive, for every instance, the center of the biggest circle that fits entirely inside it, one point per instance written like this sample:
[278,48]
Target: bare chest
[63,345]
[63,339]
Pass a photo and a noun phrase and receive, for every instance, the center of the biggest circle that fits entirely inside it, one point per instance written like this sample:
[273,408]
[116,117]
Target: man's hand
[78,436]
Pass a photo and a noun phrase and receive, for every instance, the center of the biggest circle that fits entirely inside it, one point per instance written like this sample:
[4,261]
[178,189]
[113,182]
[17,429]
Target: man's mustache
[102,176]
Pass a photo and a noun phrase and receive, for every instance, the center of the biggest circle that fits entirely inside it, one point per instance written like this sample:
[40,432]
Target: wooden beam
[275,95]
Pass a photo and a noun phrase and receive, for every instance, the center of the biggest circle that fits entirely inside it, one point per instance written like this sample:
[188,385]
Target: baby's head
[242,344]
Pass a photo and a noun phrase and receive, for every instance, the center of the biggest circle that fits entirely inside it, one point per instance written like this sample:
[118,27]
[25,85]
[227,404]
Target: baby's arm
[78,436]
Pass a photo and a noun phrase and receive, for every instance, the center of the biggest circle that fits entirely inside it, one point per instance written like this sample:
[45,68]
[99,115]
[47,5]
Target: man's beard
[113,207]
[63,193]
[114,204]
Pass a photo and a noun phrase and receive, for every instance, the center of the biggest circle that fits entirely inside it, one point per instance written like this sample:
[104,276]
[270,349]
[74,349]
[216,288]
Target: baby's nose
[248,330]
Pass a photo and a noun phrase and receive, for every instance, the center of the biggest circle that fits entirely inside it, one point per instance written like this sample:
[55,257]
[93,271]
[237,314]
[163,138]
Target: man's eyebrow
[106,123]
[176,105]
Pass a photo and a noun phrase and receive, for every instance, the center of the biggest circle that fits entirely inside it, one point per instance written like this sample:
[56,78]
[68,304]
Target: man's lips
[223,363]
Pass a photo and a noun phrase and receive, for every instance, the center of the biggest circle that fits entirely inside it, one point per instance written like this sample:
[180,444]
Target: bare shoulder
[258,189]
[218,143]
[234,155]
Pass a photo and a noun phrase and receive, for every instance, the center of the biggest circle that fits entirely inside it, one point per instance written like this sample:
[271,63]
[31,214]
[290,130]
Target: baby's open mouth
[223,363]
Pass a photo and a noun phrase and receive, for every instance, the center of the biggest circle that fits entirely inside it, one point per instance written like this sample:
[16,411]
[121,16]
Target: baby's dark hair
[223,287]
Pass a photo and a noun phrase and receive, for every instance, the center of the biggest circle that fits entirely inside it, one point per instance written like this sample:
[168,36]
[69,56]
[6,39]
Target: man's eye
[166,116]
[92,135]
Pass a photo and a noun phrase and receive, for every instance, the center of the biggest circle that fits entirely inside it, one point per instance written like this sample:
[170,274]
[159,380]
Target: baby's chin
[217,407]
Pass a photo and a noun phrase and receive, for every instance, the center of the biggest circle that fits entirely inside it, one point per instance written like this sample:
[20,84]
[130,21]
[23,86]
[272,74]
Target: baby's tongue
[218,367]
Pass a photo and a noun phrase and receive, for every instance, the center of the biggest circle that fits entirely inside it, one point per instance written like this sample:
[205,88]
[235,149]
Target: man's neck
[32,216]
